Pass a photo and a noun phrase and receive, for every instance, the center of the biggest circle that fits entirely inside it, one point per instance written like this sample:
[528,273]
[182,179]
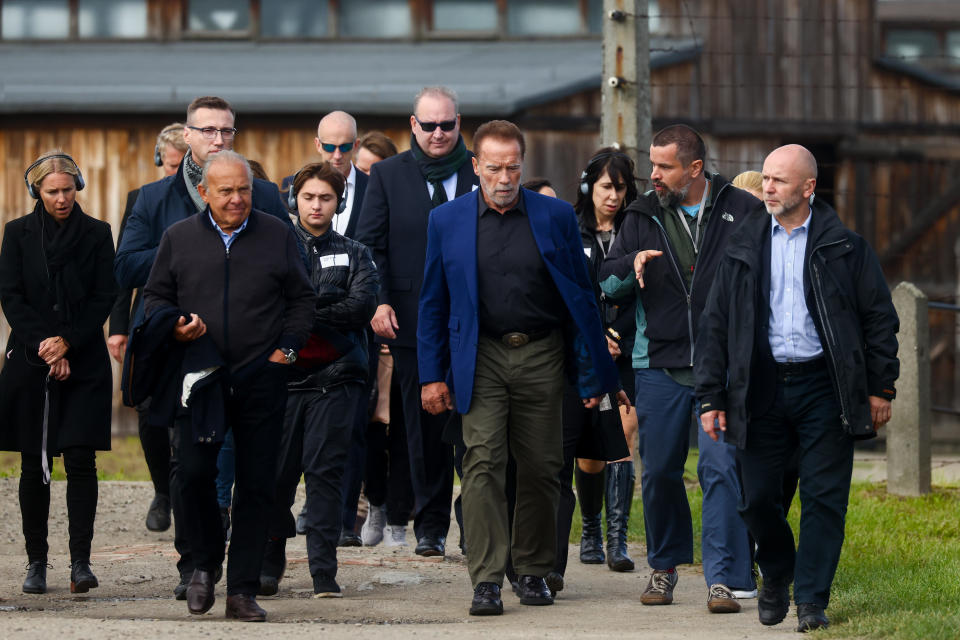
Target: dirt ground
[387,593]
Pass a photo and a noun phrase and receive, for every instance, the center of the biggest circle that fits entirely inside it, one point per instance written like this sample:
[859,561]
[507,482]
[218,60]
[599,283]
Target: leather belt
[785,369]
[516,339]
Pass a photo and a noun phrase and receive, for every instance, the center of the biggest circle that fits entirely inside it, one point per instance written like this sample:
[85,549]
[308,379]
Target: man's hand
[623,400]
[278,356]
[880,410]
[52,349]
[643,257]
[60,370]
[712,421]
[117,346]
[384,322]
[189,331]
[435,397]
[613,348]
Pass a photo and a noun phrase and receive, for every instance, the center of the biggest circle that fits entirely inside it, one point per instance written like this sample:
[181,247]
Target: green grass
[123,462]
[899,573]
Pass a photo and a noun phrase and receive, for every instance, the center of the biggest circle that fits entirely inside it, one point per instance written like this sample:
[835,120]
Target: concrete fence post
[908,438]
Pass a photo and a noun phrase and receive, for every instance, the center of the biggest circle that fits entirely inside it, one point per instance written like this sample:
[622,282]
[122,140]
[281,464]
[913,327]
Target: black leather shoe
[36,581]
[773,602]
[180,591]
[244,608]
[349,539]
[811,617]
[554,582]
[200,592]
[486,600]
[534,591]
[274,566]
[81,577]
[430,546]
[158,515]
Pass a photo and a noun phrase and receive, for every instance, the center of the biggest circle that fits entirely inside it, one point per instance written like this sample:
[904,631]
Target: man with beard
[666,254]
[393,224]
[797,353]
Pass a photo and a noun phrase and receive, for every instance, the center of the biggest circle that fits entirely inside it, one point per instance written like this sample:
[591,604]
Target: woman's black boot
[620,479]
[590,496]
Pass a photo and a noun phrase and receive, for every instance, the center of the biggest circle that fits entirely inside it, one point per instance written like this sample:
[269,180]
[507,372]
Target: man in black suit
[393,224]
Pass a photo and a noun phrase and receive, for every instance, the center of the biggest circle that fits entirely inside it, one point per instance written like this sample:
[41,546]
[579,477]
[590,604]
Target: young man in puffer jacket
[325,382]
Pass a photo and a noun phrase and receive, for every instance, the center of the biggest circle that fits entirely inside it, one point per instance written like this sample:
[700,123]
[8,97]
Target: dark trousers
[388,464]
[180,541]
[156,450]
[805,416]
[316,439]
[356,461]
[516,407]
[254,411]
[431,459]
[81,467]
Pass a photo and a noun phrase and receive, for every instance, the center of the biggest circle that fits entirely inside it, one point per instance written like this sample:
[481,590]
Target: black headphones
[77,179]
[157,156]
[600,157]
[292,196]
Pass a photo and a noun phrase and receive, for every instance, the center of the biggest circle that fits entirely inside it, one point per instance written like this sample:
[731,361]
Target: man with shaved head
[797,355]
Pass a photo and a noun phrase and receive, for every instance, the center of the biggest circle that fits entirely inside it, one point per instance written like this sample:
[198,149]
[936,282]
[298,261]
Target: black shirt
[515,289]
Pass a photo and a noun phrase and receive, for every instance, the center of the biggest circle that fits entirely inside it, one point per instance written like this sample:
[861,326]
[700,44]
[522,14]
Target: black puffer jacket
[345,278]
[848,300]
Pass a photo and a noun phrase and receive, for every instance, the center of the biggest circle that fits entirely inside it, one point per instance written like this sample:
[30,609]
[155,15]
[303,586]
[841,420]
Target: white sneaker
[743,595]
[371,533]
[396,535]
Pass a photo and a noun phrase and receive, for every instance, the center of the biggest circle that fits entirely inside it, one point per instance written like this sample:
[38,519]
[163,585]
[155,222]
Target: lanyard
[613,236]
[686,225]
[337,217]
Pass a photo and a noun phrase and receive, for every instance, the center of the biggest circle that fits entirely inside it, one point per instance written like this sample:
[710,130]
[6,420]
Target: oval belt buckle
[516,339]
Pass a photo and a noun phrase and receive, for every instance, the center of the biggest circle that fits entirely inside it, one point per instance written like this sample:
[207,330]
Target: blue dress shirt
[793,336]
[227,238]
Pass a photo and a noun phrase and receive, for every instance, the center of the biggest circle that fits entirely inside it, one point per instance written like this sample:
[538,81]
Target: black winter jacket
[253,298]
[667,312]
[619,315]
[848,299]
[346,281]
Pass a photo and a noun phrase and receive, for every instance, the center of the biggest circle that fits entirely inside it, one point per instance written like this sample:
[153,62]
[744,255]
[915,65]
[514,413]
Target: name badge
[336,260]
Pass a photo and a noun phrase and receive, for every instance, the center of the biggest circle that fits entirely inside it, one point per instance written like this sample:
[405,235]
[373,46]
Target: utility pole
[625,111]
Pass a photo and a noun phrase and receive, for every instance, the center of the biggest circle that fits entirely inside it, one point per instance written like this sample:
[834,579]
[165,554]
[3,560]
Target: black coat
[393,224]
[80,407]
[847,298]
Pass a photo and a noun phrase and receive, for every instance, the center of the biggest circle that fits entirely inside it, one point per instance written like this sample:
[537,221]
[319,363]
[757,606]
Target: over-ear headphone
[157,156]
[600,157]
[292,196]
[77,179]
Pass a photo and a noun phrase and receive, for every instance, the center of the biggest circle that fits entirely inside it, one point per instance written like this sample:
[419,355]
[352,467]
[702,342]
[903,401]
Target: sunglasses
[346,147]
[430,127]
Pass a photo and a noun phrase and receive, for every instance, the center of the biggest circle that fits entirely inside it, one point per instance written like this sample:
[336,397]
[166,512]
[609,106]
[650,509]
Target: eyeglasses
[210,133]
[430,127]
[346,147]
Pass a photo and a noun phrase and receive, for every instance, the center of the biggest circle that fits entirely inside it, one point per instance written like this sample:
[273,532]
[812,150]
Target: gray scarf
[192,174]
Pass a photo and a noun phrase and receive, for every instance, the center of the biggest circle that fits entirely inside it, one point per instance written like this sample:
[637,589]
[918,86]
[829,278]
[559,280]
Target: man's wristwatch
[289,354]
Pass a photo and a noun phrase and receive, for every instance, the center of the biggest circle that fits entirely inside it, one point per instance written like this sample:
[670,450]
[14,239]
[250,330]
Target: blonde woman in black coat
[56,291]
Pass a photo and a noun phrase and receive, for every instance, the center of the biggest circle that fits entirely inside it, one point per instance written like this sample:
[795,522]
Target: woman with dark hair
[56,290]
[607,186]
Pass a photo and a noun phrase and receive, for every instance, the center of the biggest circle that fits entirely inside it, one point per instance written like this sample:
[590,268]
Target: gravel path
[388,593]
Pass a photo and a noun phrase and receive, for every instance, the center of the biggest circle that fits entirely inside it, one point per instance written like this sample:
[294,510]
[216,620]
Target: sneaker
[395,535]
[744,594]
[324,586]
[371,533]
[660,587]
[721,600]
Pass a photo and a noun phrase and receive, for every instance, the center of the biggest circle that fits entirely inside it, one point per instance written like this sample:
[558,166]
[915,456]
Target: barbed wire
[739,18]
[834,55]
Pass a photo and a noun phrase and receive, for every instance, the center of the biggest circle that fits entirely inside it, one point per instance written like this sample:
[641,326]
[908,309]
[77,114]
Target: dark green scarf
[436,170]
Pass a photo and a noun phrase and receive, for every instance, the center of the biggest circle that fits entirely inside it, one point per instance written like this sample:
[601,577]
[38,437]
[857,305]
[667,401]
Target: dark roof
[932,77]
[491,78]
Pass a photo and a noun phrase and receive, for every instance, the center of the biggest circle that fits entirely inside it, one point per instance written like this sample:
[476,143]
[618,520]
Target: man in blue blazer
[393,224]
[506,302]
[209,130]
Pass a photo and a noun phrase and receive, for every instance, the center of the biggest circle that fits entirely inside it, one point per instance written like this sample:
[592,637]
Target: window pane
[25,19]
[912,44]
[464,15]
[219,15]
[953,48]
[375,18]
[542,17]
[294,18]
[112,18]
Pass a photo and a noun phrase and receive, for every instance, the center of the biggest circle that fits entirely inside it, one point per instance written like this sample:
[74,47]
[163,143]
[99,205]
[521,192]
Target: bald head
[789,178]
[336,138]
